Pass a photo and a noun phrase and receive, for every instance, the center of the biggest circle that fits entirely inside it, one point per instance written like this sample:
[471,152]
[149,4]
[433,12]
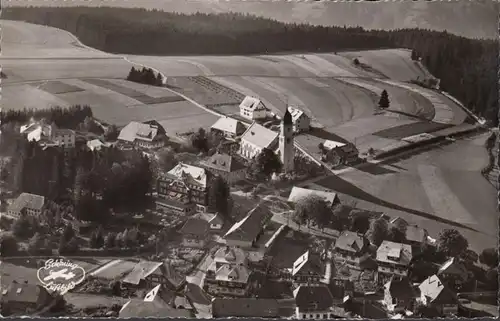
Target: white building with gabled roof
[255,139]
[301,121]
[252,108]
[229,127]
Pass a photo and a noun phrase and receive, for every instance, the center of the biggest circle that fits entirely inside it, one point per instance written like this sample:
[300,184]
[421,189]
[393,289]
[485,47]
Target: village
[223,222]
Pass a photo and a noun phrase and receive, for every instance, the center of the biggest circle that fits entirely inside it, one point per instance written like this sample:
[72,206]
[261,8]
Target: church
[286,143]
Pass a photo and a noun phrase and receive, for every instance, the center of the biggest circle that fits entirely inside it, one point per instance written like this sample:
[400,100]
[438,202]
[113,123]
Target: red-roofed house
[195,233]
[350,247]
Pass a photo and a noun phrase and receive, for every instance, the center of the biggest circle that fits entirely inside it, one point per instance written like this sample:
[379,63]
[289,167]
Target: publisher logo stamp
[60,275]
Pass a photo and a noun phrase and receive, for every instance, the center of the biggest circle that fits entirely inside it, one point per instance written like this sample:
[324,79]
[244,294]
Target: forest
[466,67]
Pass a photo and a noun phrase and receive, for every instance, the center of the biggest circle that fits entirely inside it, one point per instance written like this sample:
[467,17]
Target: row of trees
[145,76]
[466,67]
[127,238]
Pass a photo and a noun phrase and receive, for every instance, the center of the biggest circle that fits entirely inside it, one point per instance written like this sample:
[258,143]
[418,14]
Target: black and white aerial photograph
[249,159]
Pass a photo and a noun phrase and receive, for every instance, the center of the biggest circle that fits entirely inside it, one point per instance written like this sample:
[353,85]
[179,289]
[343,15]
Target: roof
[252,103]
[295,113]
[287,118]
[192,174]
[415,233]
[259,136]
[298,193]
[238,273]
[142,270]
[171,274]
[230,125]
[307,263]
[436,291]
[23,292]
[400,288]
[330,144]
[248,228]
[245,307]
[212,218]
[224,162]
[195,226]
[27,200]
[135,130]
[156,309]
[350,241]
[453,267]
[388,249]
[318,298]
[230,255]
[95,144]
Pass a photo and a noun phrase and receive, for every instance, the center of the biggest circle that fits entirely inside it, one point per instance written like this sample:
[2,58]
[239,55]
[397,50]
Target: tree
[68,233]
[264,165]
[110,240]
[36,243]
[8,245]
[452,243]
[22,227]
[489,257]
[219,195]
[111,133]
[379,231]
[199,140]
[395,235]
[313,209]
[384,100]
[166,159]
[414,55]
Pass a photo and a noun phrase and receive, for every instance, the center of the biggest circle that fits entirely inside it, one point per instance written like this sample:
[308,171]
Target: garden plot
[411,129]
[132,93]
[151,91]
[18,97]
[56,87]
[394,63]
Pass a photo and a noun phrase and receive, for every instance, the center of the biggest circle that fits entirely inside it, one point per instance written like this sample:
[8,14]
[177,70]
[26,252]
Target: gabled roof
[230,125]
[453,267]
[259,136]
[192,174]
[136,308]
[24,293]
[237,273]
[96,144]
[248,228]
[211,218]
[350,241]
[252,103]
[295,113]
[230,255]
[436,291]
[330,144]
[389,249]
[245,307]
[27,200]
[298,193]
[224,162]
[142,270]
[169,272]
[317,298]
[307,263]
[135,130]
[195,226]
[400,288]
[416,234]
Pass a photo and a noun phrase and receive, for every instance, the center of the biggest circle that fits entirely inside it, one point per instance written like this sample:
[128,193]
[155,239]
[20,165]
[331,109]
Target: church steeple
[287,119]
[286,145]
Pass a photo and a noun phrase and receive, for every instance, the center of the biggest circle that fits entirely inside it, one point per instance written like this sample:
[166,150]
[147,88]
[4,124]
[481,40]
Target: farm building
[301,122]
[252,108]
[26,203]
[145,135]
[338,153]
[245,232]
[298,193]
[226,166]
[49,135]
[255,139]
[228,127]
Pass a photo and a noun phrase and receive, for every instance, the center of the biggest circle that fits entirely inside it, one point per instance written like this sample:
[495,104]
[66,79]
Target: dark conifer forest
[466,67]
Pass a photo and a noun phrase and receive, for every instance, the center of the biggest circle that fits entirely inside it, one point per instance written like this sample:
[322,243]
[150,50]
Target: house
[245,308]
[149,274]
[96,144]
[255,139]
[339,152]
[435,294]
[215,220]
[416,236]
[28,204]
[245,232]
[252,108]
[146,135]
[228,273]
[453,273]
[24,298]
[228,167]
[313,302]
[195,233]
[183,188]
[307,269]
[393,259]
[228,127]
[350,247]
[399,295]
[301,122]
[49,134]
[299,193]
[340,288]
[156,304]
